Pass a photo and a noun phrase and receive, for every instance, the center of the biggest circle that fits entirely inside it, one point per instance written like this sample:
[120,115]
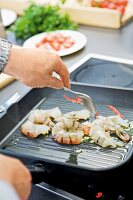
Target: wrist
[11,67]
[5,48]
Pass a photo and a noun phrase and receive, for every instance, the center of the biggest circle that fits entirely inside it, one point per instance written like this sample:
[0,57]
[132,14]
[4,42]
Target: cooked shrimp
[44,116]
[67,134]
[85,129]
[54,112]
[102,128]
[81,114]
[33,130]
[103,138]
[39,117]
[61,135]
[64,137]
[69,123]
[115,125]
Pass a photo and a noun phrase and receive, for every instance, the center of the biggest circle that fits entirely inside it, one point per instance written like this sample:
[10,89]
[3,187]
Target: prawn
[102,128]
[44,116]
[80,114]
[69,130]
[63,134]
[32,130]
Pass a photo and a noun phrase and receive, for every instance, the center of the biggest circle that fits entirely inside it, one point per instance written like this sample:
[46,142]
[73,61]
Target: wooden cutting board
[5,80]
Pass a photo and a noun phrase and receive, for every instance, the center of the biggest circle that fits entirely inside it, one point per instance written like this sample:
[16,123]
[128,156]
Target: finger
[61,69]
[55,83]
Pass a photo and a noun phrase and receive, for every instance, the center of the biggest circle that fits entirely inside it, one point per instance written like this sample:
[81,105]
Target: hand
[15,173]
[34,68]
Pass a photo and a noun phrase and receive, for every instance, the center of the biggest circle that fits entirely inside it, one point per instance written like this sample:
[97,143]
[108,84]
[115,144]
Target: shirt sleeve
[7,192]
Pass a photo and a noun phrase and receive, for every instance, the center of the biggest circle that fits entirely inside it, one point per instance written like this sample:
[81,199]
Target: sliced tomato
[113,109]
[121,9]
[67,37]
[112,6]
[55,45]
[58,35]
[43,41]
[70,41]
[60,39]
[49,38]
[67,45]
[104,4]
[121,2]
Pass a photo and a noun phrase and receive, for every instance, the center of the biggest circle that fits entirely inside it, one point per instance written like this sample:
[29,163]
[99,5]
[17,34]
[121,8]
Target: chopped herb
[130,131]
[86,139]
[37,19]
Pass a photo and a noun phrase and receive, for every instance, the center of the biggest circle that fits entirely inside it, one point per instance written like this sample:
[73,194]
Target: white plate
[79,38]
[8,17]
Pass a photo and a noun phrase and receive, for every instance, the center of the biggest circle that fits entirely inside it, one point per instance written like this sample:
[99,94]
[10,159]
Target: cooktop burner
[102,72]
[113,186]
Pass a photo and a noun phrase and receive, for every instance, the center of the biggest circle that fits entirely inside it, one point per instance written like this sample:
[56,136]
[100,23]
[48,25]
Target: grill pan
[45,149]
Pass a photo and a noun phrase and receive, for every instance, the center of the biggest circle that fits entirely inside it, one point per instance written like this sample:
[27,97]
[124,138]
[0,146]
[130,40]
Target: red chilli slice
[113,109]
[97,114]
[73,100]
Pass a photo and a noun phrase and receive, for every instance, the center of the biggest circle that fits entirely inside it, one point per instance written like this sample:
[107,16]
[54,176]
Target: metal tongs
[85,100]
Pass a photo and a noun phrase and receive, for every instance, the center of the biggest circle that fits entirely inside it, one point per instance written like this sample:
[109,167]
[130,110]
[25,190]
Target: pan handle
[37,171]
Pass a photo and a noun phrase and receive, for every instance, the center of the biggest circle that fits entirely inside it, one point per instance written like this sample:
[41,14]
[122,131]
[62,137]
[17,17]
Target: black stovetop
[112,185]
[104,72]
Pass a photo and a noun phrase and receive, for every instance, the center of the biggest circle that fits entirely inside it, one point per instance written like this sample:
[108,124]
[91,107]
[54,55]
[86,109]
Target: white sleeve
[7,192]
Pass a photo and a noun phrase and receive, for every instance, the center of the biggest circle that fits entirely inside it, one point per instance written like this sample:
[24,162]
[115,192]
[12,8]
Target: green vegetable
[37,19]
[129,131]
[86,139]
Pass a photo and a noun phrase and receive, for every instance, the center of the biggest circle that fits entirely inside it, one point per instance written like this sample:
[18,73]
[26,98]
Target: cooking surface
[93,157]
[102,72]
[50,193]
[86,186]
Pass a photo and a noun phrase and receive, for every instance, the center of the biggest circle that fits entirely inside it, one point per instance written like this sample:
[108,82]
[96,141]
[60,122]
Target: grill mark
[93,157]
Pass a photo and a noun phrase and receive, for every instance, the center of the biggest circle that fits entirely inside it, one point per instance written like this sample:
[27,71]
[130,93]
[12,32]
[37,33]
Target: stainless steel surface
[13,99]
[86,100]
[105,42]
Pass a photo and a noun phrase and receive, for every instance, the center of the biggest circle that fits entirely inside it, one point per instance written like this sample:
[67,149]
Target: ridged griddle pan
[91,156]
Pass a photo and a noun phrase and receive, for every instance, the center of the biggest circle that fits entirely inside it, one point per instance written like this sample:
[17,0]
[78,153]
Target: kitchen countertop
[116,43]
